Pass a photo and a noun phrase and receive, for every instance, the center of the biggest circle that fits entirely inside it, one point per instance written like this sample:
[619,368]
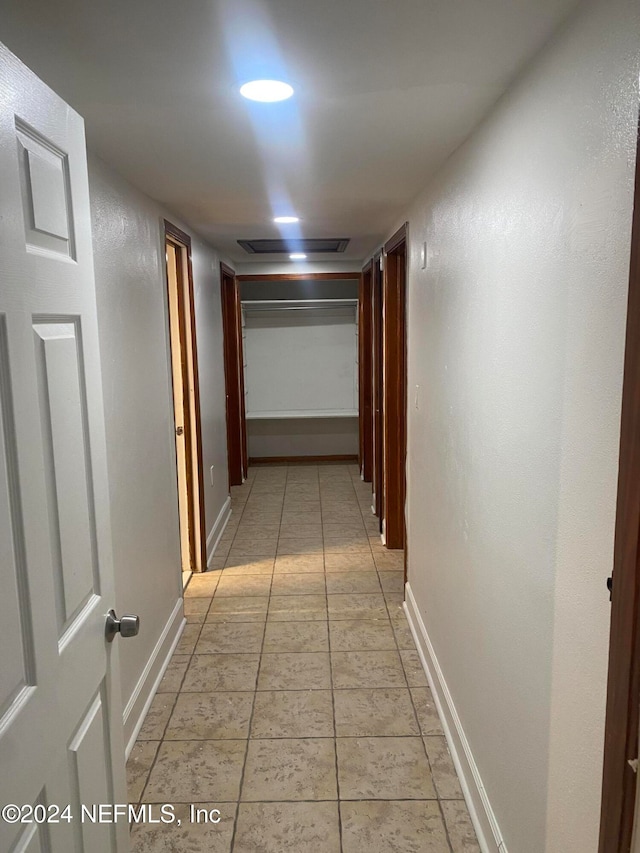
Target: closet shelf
[302,413]
[296,304]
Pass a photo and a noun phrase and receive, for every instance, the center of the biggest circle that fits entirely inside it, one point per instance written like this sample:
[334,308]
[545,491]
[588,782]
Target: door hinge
[633,764]
[610,586]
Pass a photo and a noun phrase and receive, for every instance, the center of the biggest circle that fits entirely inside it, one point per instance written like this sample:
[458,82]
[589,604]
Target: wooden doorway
[394,389]
[234,376]
[376,386]
[186,399]
[365,373]
[623,691]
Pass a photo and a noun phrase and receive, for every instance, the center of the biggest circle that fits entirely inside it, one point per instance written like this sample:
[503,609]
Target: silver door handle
[128,626]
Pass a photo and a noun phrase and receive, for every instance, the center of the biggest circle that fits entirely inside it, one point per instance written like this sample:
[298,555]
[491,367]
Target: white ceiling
[385,91]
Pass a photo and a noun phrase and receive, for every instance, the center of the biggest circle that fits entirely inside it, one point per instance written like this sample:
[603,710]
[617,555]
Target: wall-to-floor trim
[145,689]
[482,815]
[218,529]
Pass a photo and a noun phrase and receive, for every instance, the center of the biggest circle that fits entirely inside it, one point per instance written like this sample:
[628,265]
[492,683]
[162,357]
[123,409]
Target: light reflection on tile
[298,648]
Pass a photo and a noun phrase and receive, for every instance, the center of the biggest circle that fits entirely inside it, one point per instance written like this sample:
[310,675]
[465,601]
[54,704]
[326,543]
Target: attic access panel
[326,245]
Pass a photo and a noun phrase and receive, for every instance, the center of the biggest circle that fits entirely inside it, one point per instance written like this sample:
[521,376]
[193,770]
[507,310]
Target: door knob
[128,626]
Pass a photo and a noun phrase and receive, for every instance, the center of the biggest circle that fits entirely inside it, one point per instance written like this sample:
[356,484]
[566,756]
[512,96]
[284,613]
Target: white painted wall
[206,282]
[516,338]
[298,436]
[133,324]
[301,360]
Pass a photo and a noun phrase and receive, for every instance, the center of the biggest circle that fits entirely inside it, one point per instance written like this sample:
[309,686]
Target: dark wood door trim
[394,391]
[376,369]
[313,276]
[179,236]
[396,241]
[183,241]
[365,374]
[623,691]
[242,413]
[233,376]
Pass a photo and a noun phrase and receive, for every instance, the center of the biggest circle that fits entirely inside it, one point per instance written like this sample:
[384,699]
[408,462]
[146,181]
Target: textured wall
[133,324]
[516,338]
[206,279]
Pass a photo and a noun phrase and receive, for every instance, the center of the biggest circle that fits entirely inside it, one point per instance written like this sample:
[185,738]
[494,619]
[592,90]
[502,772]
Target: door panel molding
[54,489]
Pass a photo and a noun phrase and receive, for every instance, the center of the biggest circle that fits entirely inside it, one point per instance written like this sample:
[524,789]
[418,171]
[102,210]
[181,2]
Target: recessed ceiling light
[286,220]
[297,256]
[266,91]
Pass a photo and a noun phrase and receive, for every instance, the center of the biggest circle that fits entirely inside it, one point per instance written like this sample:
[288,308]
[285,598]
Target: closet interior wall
[304,406]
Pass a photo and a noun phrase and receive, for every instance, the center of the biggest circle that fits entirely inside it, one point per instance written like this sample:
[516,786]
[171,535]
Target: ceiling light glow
[286,220]
[297,256]
[266,91]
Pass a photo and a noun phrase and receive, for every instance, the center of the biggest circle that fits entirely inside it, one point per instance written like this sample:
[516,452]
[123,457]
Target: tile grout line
[411,698]
[417,718]
[190,655]
[253,706]
[236,814]
[164,731]
[333,697]
[389,603]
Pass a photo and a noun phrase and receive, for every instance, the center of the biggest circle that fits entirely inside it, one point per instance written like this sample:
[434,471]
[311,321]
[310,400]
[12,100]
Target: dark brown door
[365,374]
[623,691]
[394,394]
[234,376]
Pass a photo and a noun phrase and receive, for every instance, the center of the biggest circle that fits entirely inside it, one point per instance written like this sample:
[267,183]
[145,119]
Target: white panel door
[60,708]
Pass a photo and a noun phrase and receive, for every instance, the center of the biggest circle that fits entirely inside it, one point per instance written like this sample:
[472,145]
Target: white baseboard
[482,815]
[145,690]
[218,529]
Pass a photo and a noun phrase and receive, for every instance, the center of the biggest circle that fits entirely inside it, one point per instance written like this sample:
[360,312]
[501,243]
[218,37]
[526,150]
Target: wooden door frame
[394,395]
[377,386]
[300,276]
[182,241]
[243,398]
[365,375]
[623,690]
[237,456]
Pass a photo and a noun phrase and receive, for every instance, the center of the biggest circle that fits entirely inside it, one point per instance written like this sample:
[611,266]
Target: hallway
[296,685]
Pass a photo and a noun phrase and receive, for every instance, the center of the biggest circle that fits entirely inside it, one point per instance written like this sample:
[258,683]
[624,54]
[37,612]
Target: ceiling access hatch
[325,245]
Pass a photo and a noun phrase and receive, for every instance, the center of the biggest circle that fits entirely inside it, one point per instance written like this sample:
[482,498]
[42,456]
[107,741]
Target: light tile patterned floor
[295,702]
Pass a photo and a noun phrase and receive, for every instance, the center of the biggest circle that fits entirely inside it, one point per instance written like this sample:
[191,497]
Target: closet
[300,345]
